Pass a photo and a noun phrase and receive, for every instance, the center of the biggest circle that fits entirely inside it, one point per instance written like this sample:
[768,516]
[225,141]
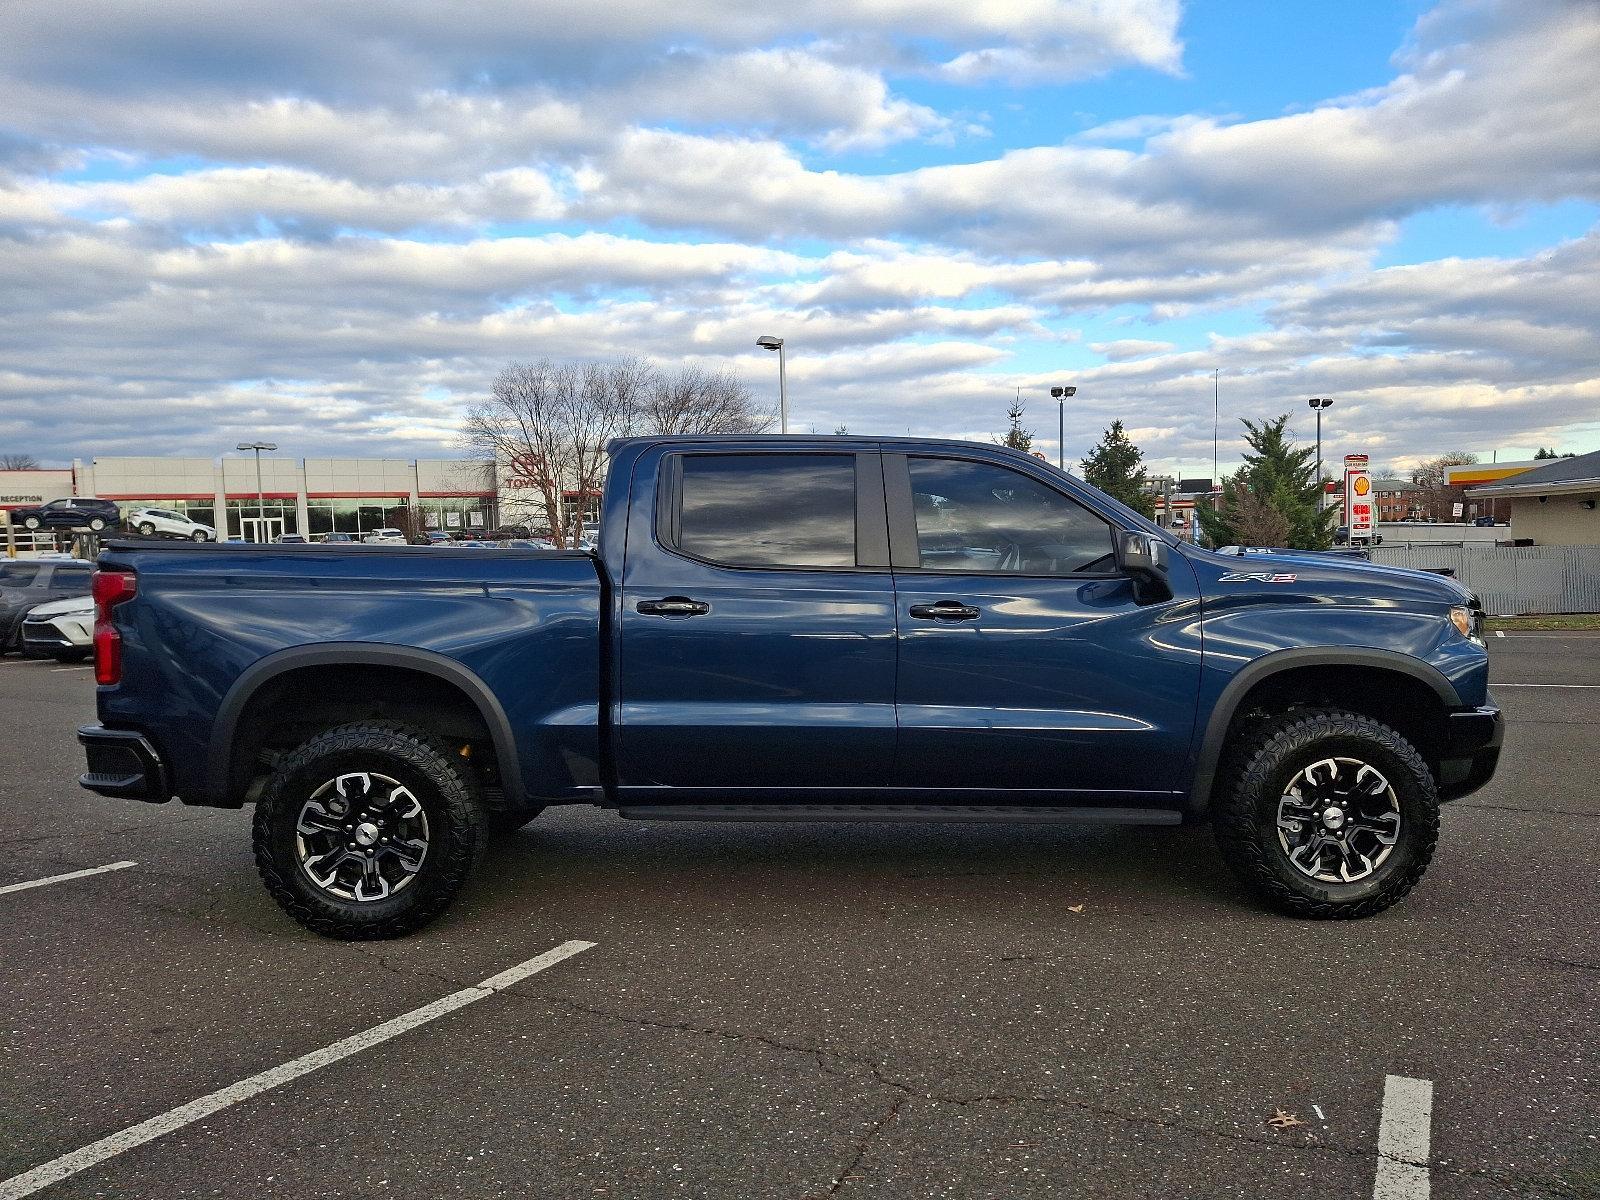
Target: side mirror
[1142,557]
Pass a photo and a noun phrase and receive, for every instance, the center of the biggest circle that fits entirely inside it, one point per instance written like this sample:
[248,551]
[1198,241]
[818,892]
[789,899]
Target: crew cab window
[978,518]
[17,574]
[769,510]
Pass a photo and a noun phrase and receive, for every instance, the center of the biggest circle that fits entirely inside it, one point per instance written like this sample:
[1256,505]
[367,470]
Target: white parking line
[67,1165]
[1499,633]
[33,883]
[1404,1139]
[1498,686]
[54,669]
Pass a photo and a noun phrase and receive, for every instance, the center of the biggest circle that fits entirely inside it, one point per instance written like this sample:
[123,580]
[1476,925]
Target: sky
[330,223]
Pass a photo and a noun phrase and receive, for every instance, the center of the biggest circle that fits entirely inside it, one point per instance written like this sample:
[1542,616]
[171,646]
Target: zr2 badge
[1257,577]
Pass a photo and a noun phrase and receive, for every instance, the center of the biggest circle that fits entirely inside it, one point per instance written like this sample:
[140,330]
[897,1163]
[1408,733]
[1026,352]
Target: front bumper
[123,763]
[1472,750]
[45,638]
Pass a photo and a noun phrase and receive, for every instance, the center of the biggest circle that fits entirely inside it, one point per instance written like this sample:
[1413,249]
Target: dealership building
[310,496]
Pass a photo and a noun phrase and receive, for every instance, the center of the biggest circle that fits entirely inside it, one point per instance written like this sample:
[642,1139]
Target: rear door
[757,626]
[1026,661]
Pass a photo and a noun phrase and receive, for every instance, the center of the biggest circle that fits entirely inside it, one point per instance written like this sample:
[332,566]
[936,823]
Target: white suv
[153,521]
[385,537]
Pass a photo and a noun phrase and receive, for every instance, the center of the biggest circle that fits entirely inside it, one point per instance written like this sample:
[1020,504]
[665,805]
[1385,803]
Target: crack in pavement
[878,1126]
[822,1055]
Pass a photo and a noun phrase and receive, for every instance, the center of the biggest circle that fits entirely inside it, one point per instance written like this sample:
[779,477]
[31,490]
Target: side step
[995,814]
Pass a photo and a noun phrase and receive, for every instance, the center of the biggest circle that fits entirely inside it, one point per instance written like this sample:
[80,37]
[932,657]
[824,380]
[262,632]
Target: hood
[62,608]
[1334,575]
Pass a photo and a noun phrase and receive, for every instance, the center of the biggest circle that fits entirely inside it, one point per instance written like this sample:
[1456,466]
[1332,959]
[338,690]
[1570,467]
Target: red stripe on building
[212,496]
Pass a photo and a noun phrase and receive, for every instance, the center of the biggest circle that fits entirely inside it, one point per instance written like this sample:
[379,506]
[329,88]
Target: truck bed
[211,621]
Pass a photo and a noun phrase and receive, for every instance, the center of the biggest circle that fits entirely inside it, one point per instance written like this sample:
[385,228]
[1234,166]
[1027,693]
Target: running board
[987,813]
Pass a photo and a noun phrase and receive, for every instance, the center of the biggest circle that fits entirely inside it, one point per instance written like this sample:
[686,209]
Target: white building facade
[311,497]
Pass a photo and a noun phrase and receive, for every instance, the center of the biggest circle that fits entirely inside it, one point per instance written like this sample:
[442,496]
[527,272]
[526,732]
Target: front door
[261,529]
[1026,662]
[757,626]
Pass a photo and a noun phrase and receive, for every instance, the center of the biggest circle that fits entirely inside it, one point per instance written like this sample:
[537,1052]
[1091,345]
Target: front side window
[769,510]
[983,519]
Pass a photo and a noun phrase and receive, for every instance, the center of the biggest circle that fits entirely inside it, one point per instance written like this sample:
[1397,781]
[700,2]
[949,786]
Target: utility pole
[1216,410]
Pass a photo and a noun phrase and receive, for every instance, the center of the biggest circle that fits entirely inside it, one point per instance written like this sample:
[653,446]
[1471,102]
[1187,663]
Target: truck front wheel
[367,831]
[1327,813]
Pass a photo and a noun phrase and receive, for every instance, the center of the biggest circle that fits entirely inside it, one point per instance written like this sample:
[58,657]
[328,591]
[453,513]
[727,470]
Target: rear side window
[17,574]
[769,510]
[979,518]
[72,578]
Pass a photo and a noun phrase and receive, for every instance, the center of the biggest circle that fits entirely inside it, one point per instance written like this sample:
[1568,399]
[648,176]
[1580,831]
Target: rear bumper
[1472,750]
[123,763]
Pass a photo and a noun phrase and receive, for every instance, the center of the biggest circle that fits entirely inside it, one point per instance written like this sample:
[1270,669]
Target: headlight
[1461,618]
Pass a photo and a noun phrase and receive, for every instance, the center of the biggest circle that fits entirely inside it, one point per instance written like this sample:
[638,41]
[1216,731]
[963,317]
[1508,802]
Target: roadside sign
[1357,497]
[1456,509]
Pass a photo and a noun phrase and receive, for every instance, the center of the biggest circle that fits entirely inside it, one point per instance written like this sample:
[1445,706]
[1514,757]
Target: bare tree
[695,400]
[547,425]
[18,462]
[1438,497]
[1255,521]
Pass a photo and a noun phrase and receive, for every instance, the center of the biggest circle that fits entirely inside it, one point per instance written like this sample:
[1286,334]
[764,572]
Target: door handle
[945,610]
[673,606]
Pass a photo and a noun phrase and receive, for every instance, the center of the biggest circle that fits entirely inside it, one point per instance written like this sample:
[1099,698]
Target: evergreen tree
[1275,476]
[1113,467]
[1017,437]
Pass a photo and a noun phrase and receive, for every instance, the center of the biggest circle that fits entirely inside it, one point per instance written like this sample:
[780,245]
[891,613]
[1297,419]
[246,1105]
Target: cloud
[338,220]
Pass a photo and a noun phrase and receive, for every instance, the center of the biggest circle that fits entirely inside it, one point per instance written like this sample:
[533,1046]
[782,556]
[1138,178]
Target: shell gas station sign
[1358,512]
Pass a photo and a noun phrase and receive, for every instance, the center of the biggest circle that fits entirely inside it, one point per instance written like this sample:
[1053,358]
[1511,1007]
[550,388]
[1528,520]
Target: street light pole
[768,342]
[1318,403]
[261,501]
[1060,394]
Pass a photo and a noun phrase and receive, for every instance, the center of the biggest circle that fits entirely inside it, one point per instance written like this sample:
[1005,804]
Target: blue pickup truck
[794,628]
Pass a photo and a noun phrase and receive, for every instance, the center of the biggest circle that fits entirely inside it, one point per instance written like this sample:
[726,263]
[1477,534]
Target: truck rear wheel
[1328,814]
[367,831]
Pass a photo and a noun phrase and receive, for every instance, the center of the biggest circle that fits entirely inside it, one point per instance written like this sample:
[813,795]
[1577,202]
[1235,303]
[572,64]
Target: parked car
[1484,522]
[62,629]
[807,628]
[338,539]
[77,512]
[293,539]
[380,537]
[153,522]
[437,537]
[26,583]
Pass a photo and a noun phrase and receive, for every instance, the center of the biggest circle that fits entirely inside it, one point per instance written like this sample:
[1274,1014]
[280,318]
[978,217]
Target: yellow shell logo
[1363,485]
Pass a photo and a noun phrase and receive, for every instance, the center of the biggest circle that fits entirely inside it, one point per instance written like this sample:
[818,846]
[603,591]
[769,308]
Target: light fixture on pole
[261,502]
[1060,394]
[767,342]
[1318,403]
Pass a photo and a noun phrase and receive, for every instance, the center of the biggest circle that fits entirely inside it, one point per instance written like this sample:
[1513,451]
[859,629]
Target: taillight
[109,589]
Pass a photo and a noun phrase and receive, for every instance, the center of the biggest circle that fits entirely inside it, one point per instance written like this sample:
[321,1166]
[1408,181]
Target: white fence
[1511,579]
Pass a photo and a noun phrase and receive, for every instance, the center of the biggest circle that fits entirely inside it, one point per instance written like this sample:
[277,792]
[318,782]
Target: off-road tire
[449,798]
[509,820]
[1267,756]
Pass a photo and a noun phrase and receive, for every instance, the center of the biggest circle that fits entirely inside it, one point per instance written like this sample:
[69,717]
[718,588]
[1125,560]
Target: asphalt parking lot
[807,1011]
